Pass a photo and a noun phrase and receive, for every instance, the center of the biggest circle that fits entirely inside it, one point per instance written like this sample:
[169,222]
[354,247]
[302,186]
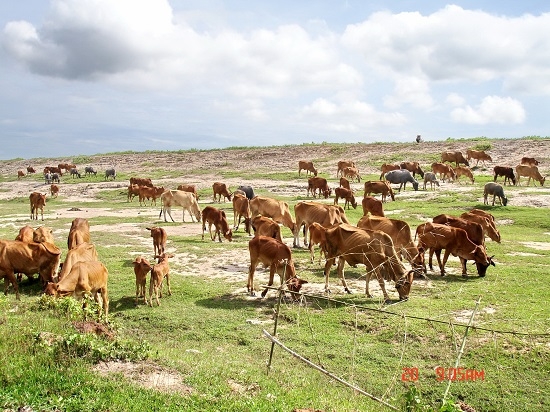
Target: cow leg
[431,253]
[382,284]
[341,263]
[250,282]
[10,278]
[463,264]
[441,266]
[272,269]
[168,284]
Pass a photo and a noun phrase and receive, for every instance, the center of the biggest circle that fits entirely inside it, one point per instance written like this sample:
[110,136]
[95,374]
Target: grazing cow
[217,218]
[248,191]
[85,278]
[344,183]
[159,239]
[347,195]
[241,210]
[190,189]
[455,241]
[486,222]
[532,172]
[159,271]
[84,252]
[75,173]
[455,157]
[58,170]
[220,189]
[507,172]
[351,173]
[141,181]
[383,188]
[308,212]
[150,193]
[180,198]
[432,179]
[316,237]
[444,171]
[54,190]
[37,201]
[30,169]
[413,167]
[275,209]
[401,177]
[464,171]
[318,183]
[47,178]
[371,248]
[20,174]
[478,155]
[496,190]
[133,191]
[64,166]
[388,167]
[278,257]
[531,161]
[307,166]
[78,233]
[265,226]
[343,164]
[89,170]
[27,258]
[373,206]
[400,233]
[142,268]
[110,174]
[55,177]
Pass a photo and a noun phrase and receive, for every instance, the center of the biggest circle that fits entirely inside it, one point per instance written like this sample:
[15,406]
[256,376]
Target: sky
[83,77]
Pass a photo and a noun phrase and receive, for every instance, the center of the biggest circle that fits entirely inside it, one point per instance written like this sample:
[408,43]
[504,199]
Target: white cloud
[492,109]
[454,99]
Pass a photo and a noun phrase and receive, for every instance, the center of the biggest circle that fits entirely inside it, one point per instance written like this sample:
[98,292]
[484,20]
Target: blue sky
[95,76]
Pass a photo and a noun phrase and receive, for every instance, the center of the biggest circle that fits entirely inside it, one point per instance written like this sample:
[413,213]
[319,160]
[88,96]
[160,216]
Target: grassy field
[206,346]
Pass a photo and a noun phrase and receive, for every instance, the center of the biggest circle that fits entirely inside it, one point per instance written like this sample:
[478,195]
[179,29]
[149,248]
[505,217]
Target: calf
[383,188]
[265,226]
[373,206]
[150,193]
[220,189]
[133,191]
[344,183]
[54,190]
[75,173]
[89,170]
[217,218]
[20,174]
[478,155]
[316,237]
[37,201]
[30,169]
[342,164]
[432,179]
[464,171]
[496,190]
[345,194]
[307,166]
[78,233]
[159,271]
[142,268]
[318,183]
[387,167]
[351,173]
[190,189]
[455,157]
[486,220]
[413,167]
[444,171]
[159,239]
[141,181]
[529,161]
[532,172]
[241,210]
[507,172]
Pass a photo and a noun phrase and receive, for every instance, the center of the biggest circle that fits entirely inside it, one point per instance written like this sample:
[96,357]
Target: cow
[180,198]
[152,193]
[110,174]
[141,181]
[496,190]
[190,189]
[75,173]
[532,172]
[443,170]
[84,252]
[342,164]
[478,155]
[63,166]
[54,177]
[308,212]
[373,206]
[26,234]
[316,237]
[47,178]
[413,167]
[455,157]
[37,201]
[248,191]
[54,190]
[20,174]
[28,258]
[142,268]
[241,210]
[486,220]
[401,177]
[265,226]
[351,173]
[345,183]
[275,209]
[220,189]
[531,161]
[159,239]
[159,271]
[133,191]
[464,171]
[383,188]
[78,233]
[400,233]
[85,278]
[507,172]
[89,170]
[455,241]
[278,257]
[432,179]
[387,167]
[307,166]
[217,218]
[371,248]
[30,169]
[347,195]
[318,183]
[53,169]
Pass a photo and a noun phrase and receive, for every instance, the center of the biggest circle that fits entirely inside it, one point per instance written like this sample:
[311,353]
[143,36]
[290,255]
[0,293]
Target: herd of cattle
[379,243]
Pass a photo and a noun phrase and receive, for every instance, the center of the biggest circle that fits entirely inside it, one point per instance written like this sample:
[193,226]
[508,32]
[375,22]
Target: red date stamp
[458,374]
[409,375]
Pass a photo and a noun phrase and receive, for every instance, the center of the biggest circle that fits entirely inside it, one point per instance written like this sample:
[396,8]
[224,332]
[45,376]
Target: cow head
[415,185]
[294,284]
[50,289]
[504,201]
[228,235]
[404,284]
[482,267]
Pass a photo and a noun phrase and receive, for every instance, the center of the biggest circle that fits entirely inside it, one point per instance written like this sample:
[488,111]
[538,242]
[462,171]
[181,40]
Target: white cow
[180,198]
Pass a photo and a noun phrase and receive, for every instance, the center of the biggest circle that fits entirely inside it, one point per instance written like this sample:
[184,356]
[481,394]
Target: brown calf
[159,239]
[217,218]
[159,271]
[220,189]
[142,268]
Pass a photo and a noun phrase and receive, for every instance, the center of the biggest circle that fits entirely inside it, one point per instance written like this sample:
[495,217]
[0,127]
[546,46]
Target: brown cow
[507,172]
[486,220]
[318,183]
[531,161]
[308,212]
[373,206]
[345,183]
[347,195]
[275,209]
[316,237]
[413,167]
[20,174]
[342,164]
[478,155]
[78,233]
[159,239]
[455,241]
[189,188]
[307,166]
[38,201]
[141,181]
[371,248]
[85,278]
[351,173]
[142,268]
[159,271]
[26,234]
[152,193]
[455,157]
[220,189]
[180,198]
[241,210]
[443,170]
[43,235]
[30,169]
[265,226]
[54,190]
[383,188]
[133,191]
[532,172]
[387,167]
[278,257]
[217,218]
[84,252]
[464,171]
